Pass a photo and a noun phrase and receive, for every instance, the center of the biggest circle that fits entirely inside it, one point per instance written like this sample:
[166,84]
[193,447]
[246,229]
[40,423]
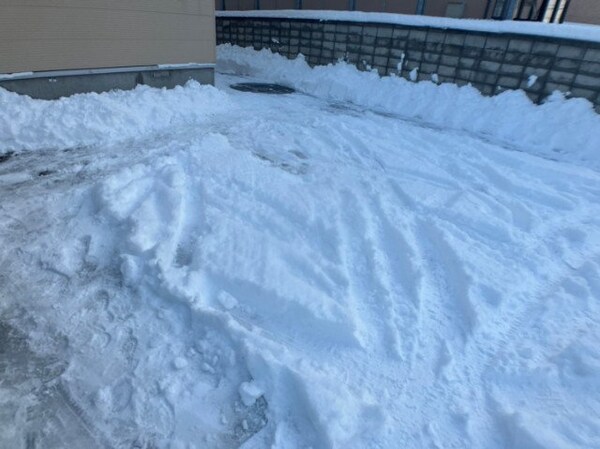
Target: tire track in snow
[454,313]
[441,267]
[390,236]
[367,292]
[537,195]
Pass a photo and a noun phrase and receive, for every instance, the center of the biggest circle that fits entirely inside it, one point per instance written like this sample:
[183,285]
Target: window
[499,7]
[455,9]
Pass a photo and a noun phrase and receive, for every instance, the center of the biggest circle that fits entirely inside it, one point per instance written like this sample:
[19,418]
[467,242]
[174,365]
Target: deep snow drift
[298,271]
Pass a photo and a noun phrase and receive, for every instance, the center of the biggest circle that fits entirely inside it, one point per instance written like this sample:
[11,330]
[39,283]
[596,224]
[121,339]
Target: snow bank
[583,32]
[558,129]
[86,119]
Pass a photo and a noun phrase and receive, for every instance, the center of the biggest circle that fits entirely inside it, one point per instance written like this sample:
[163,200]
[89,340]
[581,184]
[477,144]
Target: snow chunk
[401,63]
[414,73]
[249,392]
[130,270]
[104,399]
[531,80]
[227,301]
[180,363]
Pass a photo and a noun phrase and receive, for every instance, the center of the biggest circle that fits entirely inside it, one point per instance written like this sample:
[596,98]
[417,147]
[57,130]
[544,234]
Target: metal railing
[552,11]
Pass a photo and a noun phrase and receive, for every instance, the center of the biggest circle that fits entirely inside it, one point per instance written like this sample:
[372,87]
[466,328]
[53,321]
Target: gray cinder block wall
[491,62]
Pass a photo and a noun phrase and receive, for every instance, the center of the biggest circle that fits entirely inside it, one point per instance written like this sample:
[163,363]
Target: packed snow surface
[355,265]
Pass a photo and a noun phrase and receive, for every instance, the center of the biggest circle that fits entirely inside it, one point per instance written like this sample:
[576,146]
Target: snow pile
[297,272]
[558,129]
[86,119]
[176,243]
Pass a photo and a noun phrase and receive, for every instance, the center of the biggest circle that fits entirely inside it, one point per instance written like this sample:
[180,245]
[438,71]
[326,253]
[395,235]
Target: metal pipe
[563,16]
[555,11]
[520,9]
[542,12]
[487,9]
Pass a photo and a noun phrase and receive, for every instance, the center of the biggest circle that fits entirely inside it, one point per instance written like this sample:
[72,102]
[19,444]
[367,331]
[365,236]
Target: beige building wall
[584,11]
[42,35]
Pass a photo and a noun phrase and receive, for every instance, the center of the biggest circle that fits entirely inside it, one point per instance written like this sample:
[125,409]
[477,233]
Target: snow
[351,266]
[575,31]
[10,76]
[531,80]
[249,392]
[414,74]
[92,119]
[401,63]
[227,301]
[559,129]
[185,65]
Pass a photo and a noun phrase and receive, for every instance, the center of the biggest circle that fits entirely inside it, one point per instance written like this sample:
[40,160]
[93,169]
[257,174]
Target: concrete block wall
[491,62]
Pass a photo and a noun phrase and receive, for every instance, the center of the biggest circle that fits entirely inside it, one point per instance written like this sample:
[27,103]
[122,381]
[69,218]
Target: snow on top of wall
[589,33]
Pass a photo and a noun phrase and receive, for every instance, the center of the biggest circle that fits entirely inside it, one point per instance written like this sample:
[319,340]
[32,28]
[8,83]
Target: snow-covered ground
[352,266]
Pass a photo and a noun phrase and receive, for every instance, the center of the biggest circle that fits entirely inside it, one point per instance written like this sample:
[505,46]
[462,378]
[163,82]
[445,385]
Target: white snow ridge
[367,263]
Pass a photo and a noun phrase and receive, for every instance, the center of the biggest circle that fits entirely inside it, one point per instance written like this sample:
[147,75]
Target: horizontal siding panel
[197,7]
[40,35]
[25,56]
[22,22]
